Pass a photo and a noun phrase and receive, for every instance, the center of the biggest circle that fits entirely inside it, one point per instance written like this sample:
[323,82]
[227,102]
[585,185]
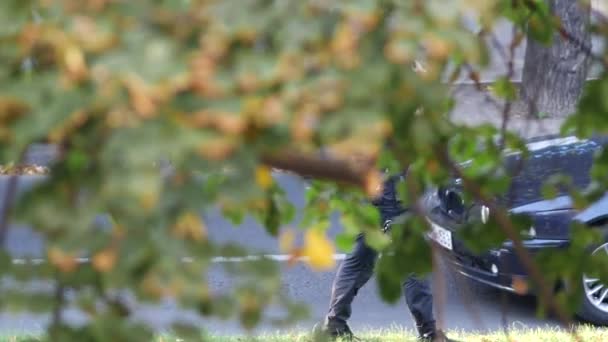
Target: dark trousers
[356,270]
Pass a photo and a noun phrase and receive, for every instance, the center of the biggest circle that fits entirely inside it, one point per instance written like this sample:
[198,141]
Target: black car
[551,219]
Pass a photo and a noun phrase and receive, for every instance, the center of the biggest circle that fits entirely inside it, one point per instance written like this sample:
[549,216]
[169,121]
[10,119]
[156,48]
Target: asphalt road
[467,306]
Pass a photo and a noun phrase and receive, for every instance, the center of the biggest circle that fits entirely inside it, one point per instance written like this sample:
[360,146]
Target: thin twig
[438,279]
[586,49]
[59,297]
[468,300]
[499,47]
[506,109]
[437,275]
[439,287]
[473,75]
[505,307]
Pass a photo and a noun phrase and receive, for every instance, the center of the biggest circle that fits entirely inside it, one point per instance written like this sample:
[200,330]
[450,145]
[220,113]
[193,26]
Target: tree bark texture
[554,75]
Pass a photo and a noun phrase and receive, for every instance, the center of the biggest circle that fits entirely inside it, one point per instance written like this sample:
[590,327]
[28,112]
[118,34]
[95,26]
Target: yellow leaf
[520,285]
[330,100]
[152,286]
[345,39]
[437,47]
[249,302]
[217,149]
[383,128]
[203,67]
[118,231]
[75,62]
[289,67]
[263,177]
[105,260]
[190,227]
[286,240]
[204,292]
[272,112]
[175,288]
[397,52]
[222,121]
[65,262]
[230,124]
[148,199]
[365,20]
[319,250]
[214,44]
[373,183]
[305,122]
[248,82]
[141,99]
[11,109]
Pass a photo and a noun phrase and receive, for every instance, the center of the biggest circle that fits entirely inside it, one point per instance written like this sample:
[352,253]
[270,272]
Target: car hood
[569,157]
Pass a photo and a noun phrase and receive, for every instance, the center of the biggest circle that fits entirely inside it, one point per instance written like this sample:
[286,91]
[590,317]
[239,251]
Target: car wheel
[594,307]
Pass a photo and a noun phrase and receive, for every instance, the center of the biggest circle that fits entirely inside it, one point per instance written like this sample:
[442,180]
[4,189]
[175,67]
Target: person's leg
[356,269]
[419,299]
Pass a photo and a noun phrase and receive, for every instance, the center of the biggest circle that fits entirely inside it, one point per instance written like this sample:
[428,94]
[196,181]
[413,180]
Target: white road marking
[274,257]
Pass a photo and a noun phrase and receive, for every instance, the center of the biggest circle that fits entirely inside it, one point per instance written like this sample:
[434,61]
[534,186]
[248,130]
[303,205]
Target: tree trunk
[554,76]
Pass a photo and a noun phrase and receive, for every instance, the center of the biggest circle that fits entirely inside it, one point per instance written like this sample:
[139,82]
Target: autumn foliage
[165,109]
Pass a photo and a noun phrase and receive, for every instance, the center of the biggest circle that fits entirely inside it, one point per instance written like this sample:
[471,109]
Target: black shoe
[435,336]
[332,332]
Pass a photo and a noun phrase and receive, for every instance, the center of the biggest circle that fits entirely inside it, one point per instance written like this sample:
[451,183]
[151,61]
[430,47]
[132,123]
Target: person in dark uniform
[357,268]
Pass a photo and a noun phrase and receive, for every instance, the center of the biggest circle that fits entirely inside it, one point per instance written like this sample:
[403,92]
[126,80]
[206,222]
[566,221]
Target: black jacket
[388,202]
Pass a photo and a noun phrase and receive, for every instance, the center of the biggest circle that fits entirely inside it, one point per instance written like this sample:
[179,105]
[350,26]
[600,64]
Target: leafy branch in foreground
[226,91]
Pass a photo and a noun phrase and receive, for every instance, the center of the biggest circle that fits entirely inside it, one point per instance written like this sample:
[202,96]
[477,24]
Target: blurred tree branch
[325,168]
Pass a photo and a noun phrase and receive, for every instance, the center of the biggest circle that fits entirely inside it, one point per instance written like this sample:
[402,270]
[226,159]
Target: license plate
[441,235]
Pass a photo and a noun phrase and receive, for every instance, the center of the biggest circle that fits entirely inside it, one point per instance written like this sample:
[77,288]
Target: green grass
[585,333]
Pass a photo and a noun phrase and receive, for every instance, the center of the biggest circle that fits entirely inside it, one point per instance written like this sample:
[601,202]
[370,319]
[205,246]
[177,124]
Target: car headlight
[484,214]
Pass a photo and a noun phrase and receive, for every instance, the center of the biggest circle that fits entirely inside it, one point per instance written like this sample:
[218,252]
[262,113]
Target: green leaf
[549,191]
[349,222]
[5,261]
[235,215]
[376,239]
[504,89]
[77,160]
[251,318]
[273,219]
[588,119]
[389,284]
[541,28]
[345,242]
